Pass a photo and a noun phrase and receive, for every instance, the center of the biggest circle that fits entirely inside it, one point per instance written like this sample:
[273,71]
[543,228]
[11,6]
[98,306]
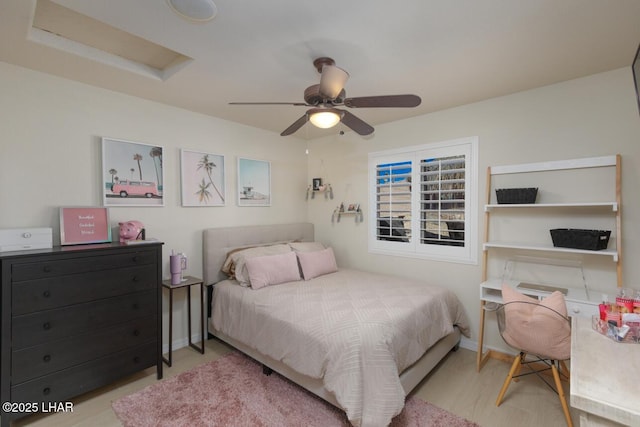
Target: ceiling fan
[326,96]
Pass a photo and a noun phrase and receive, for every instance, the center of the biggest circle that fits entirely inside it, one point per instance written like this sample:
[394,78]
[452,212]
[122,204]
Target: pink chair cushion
[534,328]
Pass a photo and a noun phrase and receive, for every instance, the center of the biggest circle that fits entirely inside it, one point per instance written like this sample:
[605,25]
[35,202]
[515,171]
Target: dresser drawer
[37,328]
[73,265]
[56,355]
[43,294]
[62,385]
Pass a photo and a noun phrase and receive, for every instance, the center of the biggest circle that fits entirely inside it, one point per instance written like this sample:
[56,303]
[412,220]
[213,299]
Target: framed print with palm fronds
[132,173]
[202,179]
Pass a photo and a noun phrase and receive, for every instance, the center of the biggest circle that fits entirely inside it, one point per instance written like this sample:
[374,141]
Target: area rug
[233,391]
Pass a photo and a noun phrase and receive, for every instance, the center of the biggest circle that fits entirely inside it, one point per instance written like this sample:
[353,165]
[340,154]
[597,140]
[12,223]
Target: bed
[358,340]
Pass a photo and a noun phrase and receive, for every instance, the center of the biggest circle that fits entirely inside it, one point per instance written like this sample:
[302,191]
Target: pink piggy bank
[130,230]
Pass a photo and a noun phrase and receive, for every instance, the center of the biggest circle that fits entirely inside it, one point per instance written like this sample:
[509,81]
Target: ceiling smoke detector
[194,10]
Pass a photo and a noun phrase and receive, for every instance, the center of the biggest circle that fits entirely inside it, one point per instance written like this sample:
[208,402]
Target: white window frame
[467,254]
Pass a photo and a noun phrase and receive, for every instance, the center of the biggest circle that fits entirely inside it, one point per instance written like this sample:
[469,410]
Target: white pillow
[317,263]
[229,265]
[272,269]
[240,258]
[306,246]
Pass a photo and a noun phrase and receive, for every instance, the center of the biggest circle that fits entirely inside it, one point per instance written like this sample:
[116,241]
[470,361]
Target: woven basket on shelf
[516,195]
[592,240]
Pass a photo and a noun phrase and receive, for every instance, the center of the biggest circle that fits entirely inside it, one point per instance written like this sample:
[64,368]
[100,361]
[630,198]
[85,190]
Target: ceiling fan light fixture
[194,10]
[325,119]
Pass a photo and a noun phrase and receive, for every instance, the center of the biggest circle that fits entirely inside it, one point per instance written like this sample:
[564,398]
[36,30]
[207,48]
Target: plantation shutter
[442,201]
[423,201]
[393,201]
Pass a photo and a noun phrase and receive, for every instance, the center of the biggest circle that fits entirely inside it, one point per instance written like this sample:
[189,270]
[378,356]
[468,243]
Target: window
[423,201]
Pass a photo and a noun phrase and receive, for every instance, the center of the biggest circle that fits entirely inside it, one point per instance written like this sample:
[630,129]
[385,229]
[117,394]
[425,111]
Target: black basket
[591,240]
[509,196]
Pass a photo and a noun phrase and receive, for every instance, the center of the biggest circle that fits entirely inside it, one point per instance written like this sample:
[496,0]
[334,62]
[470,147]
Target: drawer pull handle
[134,259]
[46,391]
[135,306]
[136,333]
[136,359]
[46,294]
[47,269]
[46,326]
[135,279]
[47,358]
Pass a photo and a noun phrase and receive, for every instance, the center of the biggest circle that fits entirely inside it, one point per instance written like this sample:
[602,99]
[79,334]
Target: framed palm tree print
[254,182]
[203,181]
[132,173]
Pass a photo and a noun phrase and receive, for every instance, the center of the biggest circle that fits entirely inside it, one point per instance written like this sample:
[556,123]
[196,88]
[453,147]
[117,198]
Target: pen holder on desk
[177,263]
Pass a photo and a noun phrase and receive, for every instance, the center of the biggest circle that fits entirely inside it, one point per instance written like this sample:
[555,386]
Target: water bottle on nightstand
[177,264]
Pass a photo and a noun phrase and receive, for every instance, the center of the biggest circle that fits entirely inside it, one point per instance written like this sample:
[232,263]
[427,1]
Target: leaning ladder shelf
[614,206]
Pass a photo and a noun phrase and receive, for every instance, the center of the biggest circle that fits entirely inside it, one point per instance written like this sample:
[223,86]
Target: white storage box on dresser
[19,239]
[76,318]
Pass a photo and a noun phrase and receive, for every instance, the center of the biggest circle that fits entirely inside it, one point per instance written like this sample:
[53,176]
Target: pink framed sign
[81,225]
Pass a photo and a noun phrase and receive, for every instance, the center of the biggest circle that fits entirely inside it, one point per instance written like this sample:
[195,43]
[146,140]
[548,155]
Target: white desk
[605,377]
[578,303]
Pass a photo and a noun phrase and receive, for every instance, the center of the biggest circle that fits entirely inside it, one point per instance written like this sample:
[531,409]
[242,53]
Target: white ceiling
[449,52]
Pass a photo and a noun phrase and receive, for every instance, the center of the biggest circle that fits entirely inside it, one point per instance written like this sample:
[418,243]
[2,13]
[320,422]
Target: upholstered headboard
[217,242]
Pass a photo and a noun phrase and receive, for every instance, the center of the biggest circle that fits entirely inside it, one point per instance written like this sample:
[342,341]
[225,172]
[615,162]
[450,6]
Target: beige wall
[50,131]
[50,156]
[592,116]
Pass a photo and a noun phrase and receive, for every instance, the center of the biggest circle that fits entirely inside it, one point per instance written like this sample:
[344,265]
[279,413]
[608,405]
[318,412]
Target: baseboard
[182,342]
[468,344]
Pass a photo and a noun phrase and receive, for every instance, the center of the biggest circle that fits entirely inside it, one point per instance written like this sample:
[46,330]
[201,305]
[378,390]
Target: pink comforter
[355,330]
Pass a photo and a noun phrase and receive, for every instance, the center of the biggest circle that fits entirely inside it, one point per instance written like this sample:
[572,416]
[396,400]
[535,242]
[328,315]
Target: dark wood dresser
[76,318]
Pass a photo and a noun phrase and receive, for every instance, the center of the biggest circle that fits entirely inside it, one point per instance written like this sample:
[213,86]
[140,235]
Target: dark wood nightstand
[187,283]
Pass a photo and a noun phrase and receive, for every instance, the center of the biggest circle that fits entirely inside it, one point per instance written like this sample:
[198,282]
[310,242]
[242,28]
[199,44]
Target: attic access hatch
[64,29]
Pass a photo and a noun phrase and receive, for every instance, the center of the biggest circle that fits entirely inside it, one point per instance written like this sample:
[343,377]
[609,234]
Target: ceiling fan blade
[296,125]
[332,81]
[357,125]
[392,101]
[297,104]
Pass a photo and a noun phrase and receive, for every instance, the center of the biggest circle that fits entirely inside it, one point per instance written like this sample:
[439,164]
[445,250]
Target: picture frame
[202,178]
[254,182]
[84,225]
[316,184]
[132,173]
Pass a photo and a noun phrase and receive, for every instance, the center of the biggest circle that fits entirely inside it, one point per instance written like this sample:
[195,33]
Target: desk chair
[540,329]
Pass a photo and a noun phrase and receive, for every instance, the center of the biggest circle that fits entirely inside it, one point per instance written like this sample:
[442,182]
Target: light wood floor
[454,385]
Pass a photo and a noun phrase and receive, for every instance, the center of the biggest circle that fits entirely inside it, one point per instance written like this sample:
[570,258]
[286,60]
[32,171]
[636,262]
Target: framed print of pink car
[127,188]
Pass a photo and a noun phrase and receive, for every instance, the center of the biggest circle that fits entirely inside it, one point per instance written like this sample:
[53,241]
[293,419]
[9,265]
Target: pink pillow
[534,328]
[272,269]
[317,263]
